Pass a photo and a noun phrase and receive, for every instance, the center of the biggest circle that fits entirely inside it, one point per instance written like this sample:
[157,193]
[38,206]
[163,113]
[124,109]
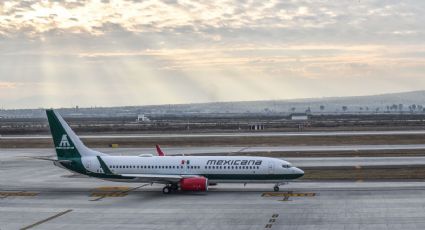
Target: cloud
[7,85]
[194,51]
[42,16]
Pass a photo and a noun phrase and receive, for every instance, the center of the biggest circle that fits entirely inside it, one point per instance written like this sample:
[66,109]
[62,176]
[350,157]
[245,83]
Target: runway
[37,195]
[256,149]
[15,154]
[355,161]
[236,134]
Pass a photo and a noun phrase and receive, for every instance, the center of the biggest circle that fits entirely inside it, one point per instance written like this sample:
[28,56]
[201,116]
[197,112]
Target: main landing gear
[170,188]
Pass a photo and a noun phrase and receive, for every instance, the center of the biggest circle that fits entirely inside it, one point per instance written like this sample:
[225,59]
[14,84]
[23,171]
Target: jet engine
[194,184]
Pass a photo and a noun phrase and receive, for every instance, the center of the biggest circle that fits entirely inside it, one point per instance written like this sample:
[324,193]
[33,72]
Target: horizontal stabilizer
[50,159]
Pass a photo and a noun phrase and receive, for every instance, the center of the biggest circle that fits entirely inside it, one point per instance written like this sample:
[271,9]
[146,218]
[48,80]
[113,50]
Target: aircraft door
[183,164]
[270,168]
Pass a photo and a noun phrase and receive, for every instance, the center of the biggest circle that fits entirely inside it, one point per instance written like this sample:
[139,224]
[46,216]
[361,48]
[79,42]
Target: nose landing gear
[276,186]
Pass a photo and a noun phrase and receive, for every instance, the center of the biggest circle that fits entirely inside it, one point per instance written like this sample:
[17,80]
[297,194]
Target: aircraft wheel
[276,188]
[166,190]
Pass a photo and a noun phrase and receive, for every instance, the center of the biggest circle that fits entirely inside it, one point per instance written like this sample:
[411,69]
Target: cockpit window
[286,166]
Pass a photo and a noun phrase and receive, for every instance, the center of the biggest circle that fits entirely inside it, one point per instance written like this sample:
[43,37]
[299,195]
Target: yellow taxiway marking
[288,194]
[112,189]
[116,191]
[15,193]
[108,194]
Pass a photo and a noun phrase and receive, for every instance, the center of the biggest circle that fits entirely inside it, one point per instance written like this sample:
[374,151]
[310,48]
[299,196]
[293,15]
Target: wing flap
[159,177]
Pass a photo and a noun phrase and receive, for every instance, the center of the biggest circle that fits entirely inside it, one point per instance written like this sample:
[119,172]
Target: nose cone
[298,173]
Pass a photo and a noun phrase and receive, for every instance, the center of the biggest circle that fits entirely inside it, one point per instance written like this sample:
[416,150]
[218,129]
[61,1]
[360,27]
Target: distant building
[256,127]
[142,118]
[299,117]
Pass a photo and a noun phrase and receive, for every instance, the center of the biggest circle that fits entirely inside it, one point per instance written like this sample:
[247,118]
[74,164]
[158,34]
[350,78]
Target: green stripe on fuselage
[229,177]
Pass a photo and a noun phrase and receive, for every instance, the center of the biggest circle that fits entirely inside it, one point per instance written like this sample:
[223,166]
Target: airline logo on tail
[64,144]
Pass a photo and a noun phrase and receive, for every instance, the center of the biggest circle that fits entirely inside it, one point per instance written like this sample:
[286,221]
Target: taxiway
[37,195]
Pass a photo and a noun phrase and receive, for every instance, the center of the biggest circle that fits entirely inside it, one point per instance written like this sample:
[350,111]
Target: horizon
[292,100]
[127,53]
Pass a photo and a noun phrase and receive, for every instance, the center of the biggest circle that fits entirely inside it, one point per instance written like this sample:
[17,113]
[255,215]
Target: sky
[65,53]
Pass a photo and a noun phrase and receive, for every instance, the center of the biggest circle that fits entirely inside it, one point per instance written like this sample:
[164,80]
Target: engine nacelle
[195,184]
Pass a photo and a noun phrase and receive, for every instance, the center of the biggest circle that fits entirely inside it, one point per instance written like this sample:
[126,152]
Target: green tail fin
[67,143]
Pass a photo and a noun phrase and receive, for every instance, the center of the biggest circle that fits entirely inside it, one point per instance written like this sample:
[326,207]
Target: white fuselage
[217,169]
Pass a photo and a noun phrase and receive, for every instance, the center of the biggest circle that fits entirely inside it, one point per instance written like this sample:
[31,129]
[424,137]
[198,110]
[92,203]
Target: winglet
[159,151]
[104,166]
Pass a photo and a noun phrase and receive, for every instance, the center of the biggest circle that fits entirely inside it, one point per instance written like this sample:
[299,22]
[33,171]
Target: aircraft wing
[157,178]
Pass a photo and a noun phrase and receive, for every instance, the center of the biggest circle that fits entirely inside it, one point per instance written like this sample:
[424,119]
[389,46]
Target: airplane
[184,173]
